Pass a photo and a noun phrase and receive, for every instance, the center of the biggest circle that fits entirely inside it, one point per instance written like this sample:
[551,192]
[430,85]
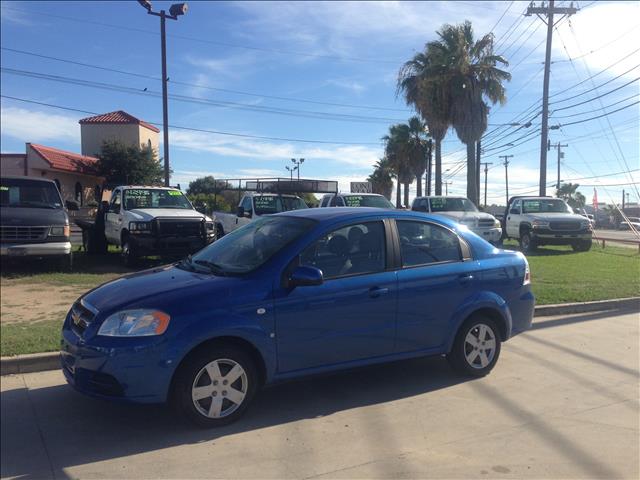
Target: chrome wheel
[219,388]
[480,346]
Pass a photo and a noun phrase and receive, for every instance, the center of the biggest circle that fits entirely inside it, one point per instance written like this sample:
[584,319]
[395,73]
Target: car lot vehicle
[631,222]
[33,220]
[535,221]
[145,220]
[461,210]
[294,294]
[355,200]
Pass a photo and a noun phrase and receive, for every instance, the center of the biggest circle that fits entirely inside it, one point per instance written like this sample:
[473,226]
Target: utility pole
[506,174]
[559,146]
[429,163]
[446,188]
[478,151]
[486,169]
[623,200]
[548,11]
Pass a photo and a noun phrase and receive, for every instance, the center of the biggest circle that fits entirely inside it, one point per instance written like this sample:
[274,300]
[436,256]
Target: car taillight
[527,274]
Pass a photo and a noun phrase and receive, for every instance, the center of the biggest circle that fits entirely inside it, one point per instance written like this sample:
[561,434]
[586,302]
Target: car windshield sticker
[175,193]
[264,202]
[353,201]
[437,202]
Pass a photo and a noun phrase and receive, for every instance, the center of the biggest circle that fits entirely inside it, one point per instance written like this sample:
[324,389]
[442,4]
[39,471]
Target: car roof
[22,177]
[340,213]
[443,196]
[144,187]
[349,194]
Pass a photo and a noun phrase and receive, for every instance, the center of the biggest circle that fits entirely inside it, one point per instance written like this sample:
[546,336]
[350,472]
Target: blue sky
[345,53]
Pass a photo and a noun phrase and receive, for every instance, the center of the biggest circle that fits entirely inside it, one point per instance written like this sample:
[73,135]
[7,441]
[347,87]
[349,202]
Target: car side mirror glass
[514,211]
[72,205]
[306,276]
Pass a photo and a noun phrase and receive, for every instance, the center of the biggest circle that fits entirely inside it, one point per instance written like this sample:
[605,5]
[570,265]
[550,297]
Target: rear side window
[353,250]
[426,243]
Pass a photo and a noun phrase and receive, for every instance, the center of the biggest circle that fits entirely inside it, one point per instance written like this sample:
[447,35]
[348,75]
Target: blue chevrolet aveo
[294,294]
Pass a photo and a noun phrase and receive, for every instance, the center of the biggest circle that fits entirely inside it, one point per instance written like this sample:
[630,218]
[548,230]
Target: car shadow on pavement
[77,430]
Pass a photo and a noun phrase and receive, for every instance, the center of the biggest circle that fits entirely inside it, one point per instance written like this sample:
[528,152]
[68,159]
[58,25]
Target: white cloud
[38,126]
[350,85]
[15,16]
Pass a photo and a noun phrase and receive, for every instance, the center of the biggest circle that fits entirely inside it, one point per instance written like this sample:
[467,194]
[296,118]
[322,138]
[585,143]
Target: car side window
[424,243]
[246,204]
[352,250]
[325,201]
[336,201]
[516,206]
[115,202]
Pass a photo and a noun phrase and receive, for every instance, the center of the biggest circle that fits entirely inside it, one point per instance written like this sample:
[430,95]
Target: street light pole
[297,163]
[175,11]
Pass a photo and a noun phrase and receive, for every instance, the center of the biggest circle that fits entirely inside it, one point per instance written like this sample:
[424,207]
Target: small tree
[122,164]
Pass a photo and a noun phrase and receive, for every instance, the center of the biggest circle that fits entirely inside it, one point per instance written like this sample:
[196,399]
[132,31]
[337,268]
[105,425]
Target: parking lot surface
[561,403]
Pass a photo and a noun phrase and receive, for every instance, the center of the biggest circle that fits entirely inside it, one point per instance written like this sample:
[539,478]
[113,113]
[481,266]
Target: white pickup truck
[151,221]
[535,221]
[463,211]
[253,206]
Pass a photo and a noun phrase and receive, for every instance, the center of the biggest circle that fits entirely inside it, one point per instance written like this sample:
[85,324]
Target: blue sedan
[294,294]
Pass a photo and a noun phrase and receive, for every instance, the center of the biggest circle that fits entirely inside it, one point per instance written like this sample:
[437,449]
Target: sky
[332,67]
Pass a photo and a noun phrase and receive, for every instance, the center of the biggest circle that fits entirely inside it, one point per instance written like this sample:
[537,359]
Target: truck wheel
[129,254]
[476,348]
[527,242]
[215,386]
[581,246]
[219,231]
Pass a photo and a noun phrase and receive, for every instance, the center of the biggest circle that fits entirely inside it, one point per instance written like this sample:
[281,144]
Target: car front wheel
[476,347]
[214,388]
[527,242]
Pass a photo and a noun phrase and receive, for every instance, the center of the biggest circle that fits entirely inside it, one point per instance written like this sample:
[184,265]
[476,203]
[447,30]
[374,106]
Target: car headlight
[496,223]
[210,226]
[135,323]
[585,224]
[140,227]
[63,231]
[539,223]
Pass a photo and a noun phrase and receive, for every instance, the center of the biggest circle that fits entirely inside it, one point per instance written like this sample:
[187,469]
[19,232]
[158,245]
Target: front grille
[485,223]
[564,225]
[19,233]
[181,227]
[81,317]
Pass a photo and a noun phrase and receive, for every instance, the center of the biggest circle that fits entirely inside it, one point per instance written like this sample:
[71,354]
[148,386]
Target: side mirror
[104,206]
[514,211]
[305,276]
[240,212]
[72,205]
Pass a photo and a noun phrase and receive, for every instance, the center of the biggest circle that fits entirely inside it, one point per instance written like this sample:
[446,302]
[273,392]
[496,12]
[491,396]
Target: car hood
[554,217]
[156,288]
[462,216]
[32,216]
[147,214]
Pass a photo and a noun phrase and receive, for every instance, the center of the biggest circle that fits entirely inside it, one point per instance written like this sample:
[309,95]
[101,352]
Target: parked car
[253,206]
[355,200]
[293,294]
[145,220]
[461,210]
[535,221]
[33,220]
[632,222]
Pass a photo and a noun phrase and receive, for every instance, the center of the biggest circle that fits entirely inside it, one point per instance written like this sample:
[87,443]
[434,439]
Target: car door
[113,218]
[513,219]
[351,316]
[435,278]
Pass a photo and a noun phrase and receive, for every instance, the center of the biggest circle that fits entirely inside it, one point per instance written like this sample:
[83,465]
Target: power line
[591,111]
[197,85]
[216,132]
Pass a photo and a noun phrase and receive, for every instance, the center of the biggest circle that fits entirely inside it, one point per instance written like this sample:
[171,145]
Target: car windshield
[250,246]
[28,194]
[551,205]
[268,204]
[154,198]
[366,201]
[448,204]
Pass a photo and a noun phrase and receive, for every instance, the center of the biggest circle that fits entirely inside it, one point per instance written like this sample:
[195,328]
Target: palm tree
[382,178]
[397,152]
[469,68]
[568,192]
[418,145]
[424,87]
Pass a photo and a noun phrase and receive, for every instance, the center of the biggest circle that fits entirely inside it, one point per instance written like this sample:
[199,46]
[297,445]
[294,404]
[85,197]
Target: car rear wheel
[215,387]
[476,347]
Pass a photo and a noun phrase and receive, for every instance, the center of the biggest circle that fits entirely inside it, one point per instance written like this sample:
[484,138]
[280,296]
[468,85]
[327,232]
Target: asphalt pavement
[563,402]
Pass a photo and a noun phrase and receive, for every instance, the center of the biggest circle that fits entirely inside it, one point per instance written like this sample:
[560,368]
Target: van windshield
[551,205]
[17,192]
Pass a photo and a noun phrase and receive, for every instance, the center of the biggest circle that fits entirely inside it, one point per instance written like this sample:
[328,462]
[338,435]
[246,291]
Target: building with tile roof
[117,125]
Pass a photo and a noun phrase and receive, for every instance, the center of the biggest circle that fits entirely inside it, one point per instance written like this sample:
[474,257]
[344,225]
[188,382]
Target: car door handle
[465,278]
[375,292]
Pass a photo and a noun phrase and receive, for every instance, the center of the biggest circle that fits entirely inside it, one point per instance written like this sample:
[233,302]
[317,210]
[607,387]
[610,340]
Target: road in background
[562,402]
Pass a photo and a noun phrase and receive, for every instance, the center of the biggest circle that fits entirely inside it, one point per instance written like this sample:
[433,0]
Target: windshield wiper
[213,267]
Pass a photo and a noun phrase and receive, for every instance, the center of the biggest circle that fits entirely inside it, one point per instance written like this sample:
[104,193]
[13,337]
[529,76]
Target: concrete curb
[40,362]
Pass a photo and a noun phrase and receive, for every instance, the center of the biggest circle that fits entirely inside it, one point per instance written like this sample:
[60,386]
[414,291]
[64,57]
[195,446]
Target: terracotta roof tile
[67,161]
[120,117]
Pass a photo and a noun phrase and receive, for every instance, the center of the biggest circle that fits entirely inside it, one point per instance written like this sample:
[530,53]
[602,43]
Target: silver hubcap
[480,346]
[219,388]
[525,242]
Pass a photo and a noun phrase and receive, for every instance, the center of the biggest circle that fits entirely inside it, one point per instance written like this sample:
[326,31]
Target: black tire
[190,372]
[129,255]
[460,352]
[219,231]
[581,246]
[527,242]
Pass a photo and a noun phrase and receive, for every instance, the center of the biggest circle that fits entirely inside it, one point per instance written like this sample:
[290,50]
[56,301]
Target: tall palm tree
[418,145]
[426,89]
[382,178]
[569,193]
[469,68]
[397,151]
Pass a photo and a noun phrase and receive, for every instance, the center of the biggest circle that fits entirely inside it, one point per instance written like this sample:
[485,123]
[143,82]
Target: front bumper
[491,235]
[133,370]
[550,237]
[35,249]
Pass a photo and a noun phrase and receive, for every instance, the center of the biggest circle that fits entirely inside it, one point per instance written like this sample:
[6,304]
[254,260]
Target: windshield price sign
[360,187]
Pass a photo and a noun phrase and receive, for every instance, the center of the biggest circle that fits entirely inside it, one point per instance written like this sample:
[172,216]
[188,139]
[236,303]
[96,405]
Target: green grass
[20,338]
[559,275]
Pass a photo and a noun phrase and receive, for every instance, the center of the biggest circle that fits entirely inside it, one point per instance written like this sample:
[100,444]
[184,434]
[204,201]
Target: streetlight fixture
[293,169]
[176,10]
[297,163]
